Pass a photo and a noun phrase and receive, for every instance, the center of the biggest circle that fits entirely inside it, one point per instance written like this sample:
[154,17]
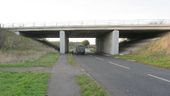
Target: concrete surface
[108,43]
[126,78]
[94,27]
[63,42]
[111,43]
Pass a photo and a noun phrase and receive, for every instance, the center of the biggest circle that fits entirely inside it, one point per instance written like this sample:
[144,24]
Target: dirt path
[26,69]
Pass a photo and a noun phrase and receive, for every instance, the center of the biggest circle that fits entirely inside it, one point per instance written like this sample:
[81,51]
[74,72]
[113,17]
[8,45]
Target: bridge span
[107,36]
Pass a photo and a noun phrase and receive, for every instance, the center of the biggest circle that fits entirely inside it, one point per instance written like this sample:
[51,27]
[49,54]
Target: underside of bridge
[107,41]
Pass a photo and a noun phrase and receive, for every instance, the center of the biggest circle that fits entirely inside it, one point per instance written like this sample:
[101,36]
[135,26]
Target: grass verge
[89,87]
[47,60]
[156,59]
[23,84]
[70,59]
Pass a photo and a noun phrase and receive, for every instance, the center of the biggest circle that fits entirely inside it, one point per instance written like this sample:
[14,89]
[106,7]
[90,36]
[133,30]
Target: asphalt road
[126,78]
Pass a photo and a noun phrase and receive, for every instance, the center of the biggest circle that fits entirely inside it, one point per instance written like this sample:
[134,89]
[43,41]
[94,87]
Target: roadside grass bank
[17,51]
[46,60]
[17,48]
[155,59]
[11,41]
[156,53]
[23,84]
[71,60]
[89,87]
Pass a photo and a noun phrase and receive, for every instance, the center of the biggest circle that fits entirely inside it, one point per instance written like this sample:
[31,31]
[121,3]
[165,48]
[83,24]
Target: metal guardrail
[90,23]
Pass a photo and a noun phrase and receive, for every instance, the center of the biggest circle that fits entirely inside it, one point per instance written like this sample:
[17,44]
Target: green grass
[70,59]
[89,87]
[156,59]
[47,60]
[23,84]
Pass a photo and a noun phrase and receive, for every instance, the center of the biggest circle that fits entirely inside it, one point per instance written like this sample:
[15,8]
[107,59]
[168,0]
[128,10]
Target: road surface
[126,78]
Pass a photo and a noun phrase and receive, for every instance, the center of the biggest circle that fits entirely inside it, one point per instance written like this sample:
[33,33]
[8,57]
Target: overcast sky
[12,11]
[24,11]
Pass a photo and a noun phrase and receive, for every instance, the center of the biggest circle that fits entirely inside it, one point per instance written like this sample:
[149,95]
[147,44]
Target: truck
[80,49]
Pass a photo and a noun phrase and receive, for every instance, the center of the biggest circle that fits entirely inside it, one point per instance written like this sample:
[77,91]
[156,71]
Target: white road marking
[99,59]
[107,55]
[125,67]
[160,78]
[131,60]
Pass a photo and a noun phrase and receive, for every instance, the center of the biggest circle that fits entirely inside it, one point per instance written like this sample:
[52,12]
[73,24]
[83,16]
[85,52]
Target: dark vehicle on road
[80,49]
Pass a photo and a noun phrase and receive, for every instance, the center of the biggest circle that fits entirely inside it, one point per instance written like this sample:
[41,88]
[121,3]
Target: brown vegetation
[161,45]
[14,48]
[156,53]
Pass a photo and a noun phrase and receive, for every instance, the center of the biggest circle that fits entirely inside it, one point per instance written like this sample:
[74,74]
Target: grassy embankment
[46,60]
[88,86]
[15,48]
[156,53]
[19,51]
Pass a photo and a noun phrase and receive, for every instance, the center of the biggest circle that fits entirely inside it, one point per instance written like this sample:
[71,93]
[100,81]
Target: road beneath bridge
[126,78]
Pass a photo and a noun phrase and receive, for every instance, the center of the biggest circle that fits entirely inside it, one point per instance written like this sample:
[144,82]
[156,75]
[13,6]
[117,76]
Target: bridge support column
[67,44]
[63,42]
[111,43]
[99,45]
[115,43]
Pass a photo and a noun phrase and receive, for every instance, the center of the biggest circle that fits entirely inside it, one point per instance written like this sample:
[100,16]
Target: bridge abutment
[108,43]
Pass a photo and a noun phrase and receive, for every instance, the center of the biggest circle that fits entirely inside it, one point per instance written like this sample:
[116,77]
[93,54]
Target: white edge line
[131,60]
[160,78]
[120,65]
[99,59]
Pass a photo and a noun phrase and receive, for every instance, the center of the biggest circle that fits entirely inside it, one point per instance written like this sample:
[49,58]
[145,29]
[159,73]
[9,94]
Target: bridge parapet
[150,22]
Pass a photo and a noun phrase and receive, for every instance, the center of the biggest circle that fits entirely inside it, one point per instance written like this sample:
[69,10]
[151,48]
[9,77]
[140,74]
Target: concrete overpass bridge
[107,35]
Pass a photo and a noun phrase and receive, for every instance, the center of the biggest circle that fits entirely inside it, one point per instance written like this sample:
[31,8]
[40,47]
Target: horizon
[30,11]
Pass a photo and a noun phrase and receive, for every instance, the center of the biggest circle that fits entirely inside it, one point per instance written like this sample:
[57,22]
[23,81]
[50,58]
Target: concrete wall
[109,43]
